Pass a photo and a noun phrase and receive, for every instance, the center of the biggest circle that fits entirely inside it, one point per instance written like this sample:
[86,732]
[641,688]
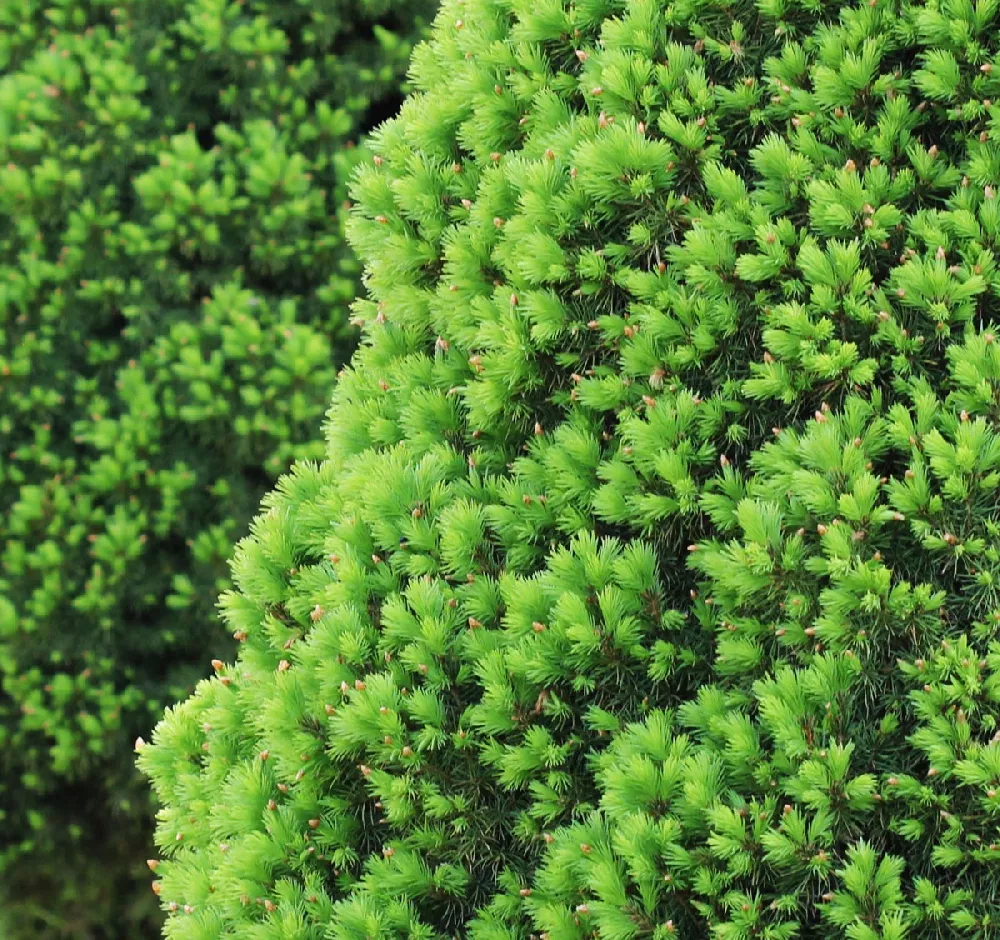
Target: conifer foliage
[649,587]
[174,290]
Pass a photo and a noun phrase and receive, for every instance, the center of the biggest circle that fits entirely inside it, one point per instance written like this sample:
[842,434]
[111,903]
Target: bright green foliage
[651,585]
[174,283]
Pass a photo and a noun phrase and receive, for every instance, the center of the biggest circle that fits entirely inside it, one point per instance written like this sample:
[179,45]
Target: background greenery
[173,291]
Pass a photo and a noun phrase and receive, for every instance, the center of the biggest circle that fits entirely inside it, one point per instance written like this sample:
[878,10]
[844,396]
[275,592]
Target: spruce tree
[649,587]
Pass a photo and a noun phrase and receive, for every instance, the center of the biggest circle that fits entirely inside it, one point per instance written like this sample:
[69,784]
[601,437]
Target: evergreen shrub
[174,289]
[649,587]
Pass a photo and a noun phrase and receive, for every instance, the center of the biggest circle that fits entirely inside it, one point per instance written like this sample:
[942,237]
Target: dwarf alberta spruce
[174,284]
[649,587]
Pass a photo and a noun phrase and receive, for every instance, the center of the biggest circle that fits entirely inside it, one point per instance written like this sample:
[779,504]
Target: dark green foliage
[649,587]
[174,282]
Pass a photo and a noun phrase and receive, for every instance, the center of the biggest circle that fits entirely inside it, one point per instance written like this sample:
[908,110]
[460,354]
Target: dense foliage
[174,289]
[649,587]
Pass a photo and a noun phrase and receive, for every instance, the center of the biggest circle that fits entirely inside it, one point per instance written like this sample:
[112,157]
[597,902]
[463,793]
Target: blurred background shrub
[173,287]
